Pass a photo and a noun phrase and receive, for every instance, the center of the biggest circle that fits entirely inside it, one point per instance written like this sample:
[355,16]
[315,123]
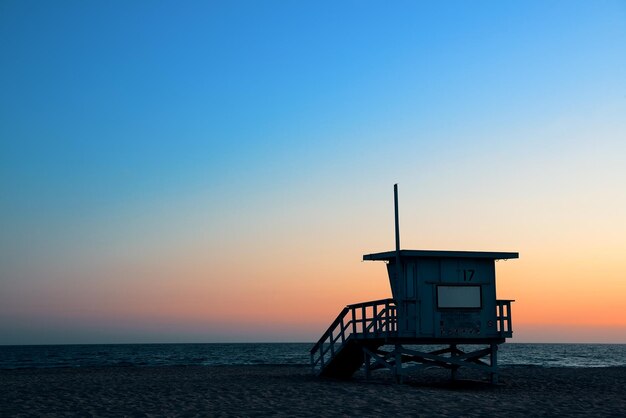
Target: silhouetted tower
[442,298]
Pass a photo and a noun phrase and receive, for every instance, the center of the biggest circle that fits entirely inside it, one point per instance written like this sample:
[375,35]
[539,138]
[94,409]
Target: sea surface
[145,355]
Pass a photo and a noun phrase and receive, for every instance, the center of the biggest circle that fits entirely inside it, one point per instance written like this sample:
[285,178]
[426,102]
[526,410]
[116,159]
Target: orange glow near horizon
[302,297]
[293,288]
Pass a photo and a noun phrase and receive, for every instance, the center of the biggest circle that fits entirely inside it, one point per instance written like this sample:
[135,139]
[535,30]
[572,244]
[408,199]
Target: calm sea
[46,356]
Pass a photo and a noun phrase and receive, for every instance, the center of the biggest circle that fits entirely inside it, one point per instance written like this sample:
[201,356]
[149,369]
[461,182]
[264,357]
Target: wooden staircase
[340,351]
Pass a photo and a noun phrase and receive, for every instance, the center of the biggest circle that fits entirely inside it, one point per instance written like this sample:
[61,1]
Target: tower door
[427,319]
[411,306]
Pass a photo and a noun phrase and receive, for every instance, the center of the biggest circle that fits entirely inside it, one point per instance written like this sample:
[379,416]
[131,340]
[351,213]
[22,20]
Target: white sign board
[458,297]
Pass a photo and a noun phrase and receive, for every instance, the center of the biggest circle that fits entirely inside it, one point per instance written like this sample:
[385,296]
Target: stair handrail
[371,303]
[343,313]
[330,329]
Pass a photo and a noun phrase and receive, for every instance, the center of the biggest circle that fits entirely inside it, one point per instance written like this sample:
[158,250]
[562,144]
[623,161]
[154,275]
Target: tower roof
[390,255]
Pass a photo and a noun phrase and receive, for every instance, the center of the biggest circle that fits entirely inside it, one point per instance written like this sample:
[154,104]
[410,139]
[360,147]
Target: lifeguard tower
[440,299]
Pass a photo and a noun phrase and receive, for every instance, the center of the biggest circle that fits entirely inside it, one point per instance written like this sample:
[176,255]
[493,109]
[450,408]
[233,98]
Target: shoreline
[288,390]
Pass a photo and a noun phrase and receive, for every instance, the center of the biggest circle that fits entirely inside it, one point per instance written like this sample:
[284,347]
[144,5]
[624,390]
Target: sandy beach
[292,391]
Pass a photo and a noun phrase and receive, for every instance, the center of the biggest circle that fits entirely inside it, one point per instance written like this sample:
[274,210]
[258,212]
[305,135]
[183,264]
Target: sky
[214,171]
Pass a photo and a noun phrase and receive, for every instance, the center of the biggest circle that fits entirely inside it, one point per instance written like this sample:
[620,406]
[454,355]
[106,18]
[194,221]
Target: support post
[494,364]
[398,368]
[368,372]
[453,370]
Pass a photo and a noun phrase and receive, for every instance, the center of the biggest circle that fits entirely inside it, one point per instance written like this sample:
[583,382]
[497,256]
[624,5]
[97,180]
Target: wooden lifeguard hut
[441,300]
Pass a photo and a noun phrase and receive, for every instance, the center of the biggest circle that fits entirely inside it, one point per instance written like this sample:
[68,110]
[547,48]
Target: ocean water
[142,355]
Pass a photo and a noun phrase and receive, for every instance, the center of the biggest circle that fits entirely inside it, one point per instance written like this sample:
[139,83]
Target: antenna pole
[395,202]
[398,269]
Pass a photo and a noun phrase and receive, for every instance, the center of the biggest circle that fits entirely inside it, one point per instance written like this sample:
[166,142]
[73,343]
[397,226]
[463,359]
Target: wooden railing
[362,320]
[503,317]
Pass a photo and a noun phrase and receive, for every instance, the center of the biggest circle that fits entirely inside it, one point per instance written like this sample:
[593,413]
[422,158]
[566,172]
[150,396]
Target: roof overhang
[391,255]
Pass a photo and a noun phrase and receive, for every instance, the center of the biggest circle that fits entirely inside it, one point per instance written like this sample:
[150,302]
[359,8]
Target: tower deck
[356,337]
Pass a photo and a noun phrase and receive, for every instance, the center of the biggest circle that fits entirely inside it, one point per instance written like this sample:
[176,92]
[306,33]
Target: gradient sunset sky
[213,171]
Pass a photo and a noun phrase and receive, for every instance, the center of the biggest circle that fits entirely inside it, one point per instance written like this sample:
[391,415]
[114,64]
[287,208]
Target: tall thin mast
[398,265]
[398,285]
[395,203]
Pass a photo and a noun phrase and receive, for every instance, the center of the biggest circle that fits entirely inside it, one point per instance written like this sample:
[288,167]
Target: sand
[292,391]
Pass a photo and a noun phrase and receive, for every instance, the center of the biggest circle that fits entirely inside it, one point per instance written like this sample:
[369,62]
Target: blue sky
[145,122]
[148,95]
